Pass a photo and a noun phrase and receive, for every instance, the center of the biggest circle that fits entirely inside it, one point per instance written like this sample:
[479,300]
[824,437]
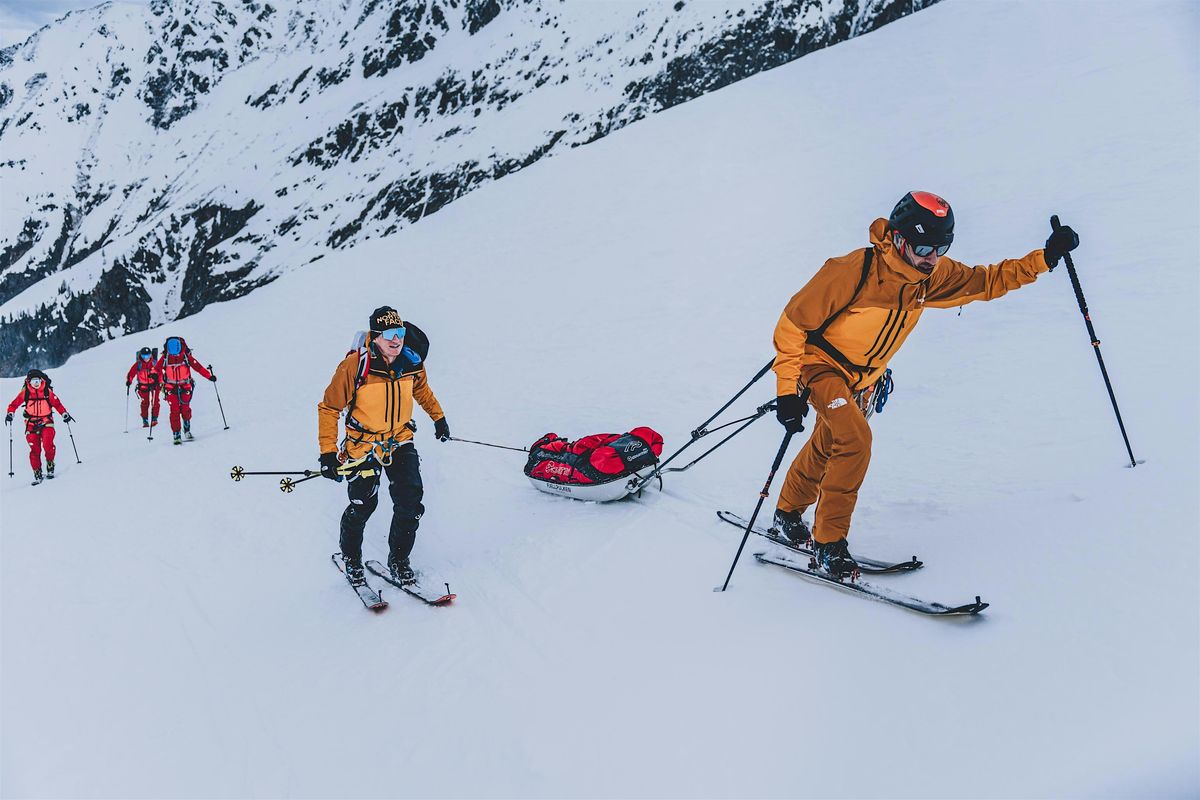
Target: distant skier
[376,385]
[145,369]
[40,404]
[838,333]
[175,368]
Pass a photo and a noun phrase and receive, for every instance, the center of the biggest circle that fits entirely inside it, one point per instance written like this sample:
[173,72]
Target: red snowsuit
[177,383]
[39,420]
[148,380]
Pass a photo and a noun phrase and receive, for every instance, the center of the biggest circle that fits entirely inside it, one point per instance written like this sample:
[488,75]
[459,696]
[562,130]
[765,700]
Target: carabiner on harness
[872,399]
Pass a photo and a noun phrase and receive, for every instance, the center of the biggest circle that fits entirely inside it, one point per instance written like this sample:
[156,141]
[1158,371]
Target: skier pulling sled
[601,467]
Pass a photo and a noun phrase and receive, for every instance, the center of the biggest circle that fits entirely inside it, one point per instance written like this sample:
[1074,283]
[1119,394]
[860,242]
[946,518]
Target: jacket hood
[890,259]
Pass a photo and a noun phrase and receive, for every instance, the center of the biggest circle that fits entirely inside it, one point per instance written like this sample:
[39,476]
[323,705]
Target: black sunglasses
[923,250]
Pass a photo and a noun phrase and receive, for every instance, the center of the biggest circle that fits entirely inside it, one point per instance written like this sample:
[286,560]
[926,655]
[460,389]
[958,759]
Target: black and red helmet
[923,218]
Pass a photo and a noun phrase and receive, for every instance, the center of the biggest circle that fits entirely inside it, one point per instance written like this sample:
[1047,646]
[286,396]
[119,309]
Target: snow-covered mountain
[158,159]
[168,633]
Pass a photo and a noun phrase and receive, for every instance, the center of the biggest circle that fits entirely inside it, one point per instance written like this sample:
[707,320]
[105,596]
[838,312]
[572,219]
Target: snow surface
[169,633]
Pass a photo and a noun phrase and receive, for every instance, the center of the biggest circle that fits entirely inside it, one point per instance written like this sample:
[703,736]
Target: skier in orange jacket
[836,336]
[377,386]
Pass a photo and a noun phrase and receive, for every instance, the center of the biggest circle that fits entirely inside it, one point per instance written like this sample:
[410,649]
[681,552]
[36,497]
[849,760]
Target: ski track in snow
[174,634]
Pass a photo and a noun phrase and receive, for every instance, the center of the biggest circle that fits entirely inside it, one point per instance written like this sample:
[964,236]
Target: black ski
[868,566]
[372,599]
[880,593]
[418,588]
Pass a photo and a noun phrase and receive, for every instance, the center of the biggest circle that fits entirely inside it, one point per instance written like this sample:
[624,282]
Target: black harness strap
[817,337]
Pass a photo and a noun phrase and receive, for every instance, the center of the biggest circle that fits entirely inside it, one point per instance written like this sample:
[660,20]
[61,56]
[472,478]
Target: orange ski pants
[831,466]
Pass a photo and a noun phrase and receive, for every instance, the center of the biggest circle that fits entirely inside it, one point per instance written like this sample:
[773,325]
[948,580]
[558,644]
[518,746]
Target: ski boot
[187,430]
[145,422]
[153,421]
[354,571]
[37,477]
[834,558]
[177,437]
[49,470]
[789,525]
[401,570]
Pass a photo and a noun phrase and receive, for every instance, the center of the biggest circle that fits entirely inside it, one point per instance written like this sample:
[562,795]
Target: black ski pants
[404,485]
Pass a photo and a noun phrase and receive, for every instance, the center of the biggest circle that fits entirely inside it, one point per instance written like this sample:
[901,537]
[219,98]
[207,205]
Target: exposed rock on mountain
[157,159]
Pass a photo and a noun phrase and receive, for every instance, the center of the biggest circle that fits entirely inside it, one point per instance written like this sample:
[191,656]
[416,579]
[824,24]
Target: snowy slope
[161,157]
[168,633]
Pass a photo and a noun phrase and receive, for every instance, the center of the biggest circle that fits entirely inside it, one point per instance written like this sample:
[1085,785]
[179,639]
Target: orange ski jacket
[864,327]
[383,406]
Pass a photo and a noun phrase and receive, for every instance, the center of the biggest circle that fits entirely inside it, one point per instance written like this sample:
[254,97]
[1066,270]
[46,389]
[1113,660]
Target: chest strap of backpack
[360,377]
[817,337]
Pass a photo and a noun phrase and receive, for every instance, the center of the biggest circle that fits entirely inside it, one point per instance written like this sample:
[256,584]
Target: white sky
[20,18]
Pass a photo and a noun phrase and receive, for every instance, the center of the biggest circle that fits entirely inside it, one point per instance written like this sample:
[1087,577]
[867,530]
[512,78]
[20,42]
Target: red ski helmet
[923,218]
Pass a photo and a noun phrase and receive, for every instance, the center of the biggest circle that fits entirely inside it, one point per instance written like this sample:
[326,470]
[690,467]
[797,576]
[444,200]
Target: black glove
[213,377]
[329,466]
[791,410]
[8,418]
[68,418]
[441,430]
[127,384]
[1062,241]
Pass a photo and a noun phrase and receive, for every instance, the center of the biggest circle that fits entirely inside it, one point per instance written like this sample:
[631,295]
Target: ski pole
[486,444]
[159,389]
[127,408]
[766,490]
[237,473]
[702,430]
[1083,309]
[10,471]
[286,485]
[77,461]
[218,391]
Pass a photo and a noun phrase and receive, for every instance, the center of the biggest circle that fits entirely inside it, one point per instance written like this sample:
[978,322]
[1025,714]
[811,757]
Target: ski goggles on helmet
[146,356]
[35,382]
[174,346]
[393,334]
[923,250]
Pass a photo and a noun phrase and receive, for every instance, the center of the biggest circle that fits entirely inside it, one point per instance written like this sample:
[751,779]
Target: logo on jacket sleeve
[837,403]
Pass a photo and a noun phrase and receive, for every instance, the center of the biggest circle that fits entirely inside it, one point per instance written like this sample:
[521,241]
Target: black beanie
[383,318]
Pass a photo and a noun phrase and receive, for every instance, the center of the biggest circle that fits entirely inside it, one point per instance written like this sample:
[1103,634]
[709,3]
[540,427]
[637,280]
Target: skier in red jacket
[175,368]
[145,369]
[40,404]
